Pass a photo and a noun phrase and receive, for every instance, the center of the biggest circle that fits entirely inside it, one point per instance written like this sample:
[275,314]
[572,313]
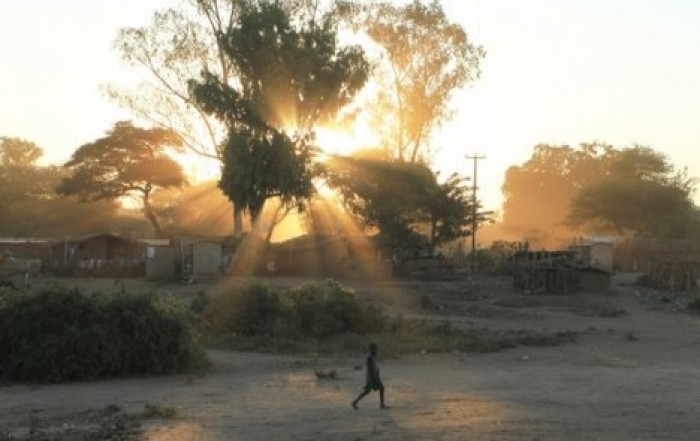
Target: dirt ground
[632,375]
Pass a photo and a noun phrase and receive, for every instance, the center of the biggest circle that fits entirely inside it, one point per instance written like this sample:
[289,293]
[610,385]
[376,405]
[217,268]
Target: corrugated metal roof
[28,240]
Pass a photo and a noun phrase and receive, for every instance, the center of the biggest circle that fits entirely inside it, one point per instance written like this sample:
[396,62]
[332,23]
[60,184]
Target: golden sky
[560,72]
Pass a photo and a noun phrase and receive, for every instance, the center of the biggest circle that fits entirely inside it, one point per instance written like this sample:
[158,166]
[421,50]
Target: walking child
[373,381]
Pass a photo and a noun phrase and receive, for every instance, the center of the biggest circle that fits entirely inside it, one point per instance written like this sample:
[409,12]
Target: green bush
[248,308]
[63,334]
[317,310]
[326,308]
[199,302]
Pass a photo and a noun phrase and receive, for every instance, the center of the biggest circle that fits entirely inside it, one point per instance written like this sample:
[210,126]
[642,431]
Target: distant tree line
[36,203]
[600,189]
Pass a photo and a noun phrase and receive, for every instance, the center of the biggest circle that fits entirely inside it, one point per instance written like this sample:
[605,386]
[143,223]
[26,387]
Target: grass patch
[608,311]
[109,423]
[414,337]
[694,306]
[517,302]
[327,318]
[418,337]
[156,411]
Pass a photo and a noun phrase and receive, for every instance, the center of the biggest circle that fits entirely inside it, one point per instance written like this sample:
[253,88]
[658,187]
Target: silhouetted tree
[562,191]
[539,192]
[30,206]
[402,200]
[170,51]
[641,194]
[449,210]
[15,152]
[127,161]
[291,75]
[424,59]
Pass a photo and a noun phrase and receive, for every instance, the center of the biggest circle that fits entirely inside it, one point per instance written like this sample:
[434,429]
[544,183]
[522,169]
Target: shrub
[154,411]
[199,302]
[247,308]
[317,310]
[63,334]
[326,308]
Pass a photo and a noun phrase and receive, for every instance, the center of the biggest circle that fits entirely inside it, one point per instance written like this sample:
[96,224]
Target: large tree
[292,74]
[404,201]
[128,160]
[539,192]
[641,194]
[423,59]
[16,152]
[30,206]
[171,50]
[167,53]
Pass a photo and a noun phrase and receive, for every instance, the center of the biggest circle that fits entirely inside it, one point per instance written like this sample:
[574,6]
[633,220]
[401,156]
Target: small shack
[161,258]
[206,258]
[200,256]
[101,255]
[29,248]
[598,255]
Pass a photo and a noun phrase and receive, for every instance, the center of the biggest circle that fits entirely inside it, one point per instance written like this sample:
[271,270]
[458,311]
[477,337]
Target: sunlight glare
[199,168]
[337,141]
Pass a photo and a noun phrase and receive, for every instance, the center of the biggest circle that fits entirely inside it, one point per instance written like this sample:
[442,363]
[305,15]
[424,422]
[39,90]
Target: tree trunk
[151,216]
[416,147]
[237,221]
[433,235]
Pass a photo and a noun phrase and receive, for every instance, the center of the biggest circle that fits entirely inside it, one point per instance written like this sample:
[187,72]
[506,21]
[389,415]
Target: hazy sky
[558,71]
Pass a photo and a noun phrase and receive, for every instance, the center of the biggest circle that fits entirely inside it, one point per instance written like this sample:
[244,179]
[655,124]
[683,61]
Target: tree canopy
[183,39]
[424,59]
[32,208]
[640,194]
[15,152]
[538,193]
[291,75]
[563,191]
[167,53]
[404,201]
[129,160]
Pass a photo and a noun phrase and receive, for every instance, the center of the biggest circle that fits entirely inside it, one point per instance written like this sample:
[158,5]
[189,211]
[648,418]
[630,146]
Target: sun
[199,168]
[336,141]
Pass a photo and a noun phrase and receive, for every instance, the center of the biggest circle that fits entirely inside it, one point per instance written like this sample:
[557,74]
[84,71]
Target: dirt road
[633,375]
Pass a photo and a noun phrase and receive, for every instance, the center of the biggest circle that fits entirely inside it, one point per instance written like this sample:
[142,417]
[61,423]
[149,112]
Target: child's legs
[363,394]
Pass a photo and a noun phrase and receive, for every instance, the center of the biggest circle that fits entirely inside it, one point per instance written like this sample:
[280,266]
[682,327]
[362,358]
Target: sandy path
[605,387]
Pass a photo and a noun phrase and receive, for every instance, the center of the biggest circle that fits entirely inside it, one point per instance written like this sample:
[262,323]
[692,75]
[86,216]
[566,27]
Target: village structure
[586,264]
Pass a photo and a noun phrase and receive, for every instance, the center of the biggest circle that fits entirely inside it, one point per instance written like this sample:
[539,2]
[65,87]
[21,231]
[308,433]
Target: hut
[598,255]
[29,248]
[161,258]
[101,255]
[206,258]
[200,256]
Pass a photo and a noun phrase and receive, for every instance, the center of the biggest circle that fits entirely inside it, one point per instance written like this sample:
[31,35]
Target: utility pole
[475,159]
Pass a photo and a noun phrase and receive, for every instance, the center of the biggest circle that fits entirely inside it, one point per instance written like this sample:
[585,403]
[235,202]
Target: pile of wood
[537,272]
[677,273]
